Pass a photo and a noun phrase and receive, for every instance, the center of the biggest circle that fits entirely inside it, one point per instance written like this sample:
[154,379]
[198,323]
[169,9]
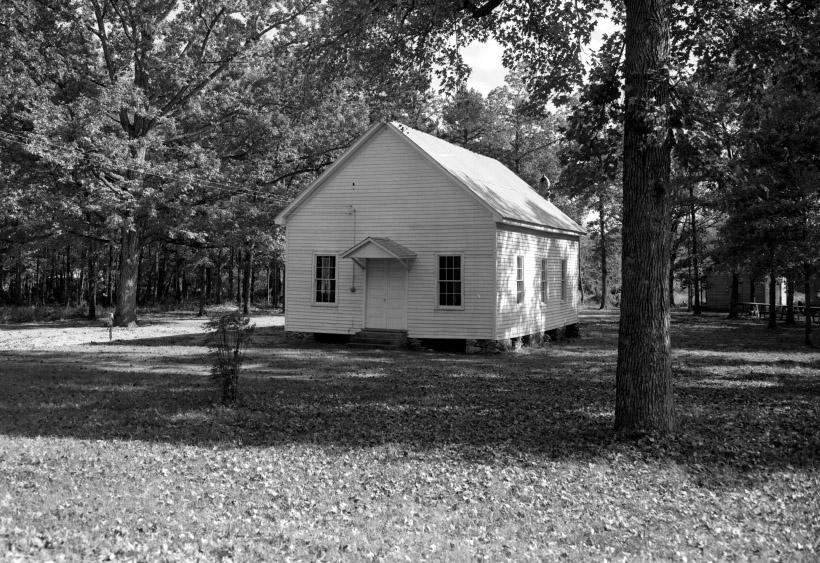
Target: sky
[485,59]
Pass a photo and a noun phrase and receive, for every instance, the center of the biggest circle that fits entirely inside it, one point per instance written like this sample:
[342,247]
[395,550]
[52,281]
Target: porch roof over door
[379,247]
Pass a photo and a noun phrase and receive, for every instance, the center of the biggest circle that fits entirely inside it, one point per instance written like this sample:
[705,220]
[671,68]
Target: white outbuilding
[407,232]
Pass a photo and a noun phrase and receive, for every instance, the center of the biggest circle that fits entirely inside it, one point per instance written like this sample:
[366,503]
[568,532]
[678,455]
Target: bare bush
[232,333]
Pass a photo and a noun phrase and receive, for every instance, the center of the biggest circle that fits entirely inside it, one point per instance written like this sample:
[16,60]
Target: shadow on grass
[555,403]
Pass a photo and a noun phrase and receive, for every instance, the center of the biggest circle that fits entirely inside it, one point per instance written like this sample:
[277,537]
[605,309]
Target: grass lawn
[120,451]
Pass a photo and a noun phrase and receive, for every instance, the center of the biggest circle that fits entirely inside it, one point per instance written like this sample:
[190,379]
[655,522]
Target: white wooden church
[407,232]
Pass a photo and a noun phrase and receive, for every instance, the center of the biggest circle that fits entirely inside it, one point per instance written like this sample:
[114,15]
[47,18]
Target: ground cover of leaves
[120,451]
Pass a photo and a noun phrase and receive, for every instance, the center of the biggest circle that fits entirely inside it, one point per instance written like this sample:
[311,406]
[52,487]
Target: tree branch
[480,11]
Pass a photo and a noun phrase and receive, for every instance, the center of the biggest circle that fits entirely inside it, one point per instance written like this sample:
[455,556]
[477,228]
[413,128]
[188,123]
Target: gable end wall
[398,194]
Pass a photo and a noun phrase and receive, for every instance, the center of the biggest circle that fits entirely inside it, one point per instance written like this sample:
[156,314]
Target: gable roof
[509,197]
[389,246]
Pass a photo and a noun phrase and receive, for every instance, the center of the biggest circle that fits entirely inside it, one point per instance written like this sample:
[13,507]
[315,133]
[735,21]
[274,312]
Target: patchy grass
[122,450]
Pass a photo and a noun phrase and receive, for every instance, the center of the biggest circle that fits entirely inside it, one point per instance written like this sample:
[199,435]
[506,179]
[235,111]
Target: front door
[386,303]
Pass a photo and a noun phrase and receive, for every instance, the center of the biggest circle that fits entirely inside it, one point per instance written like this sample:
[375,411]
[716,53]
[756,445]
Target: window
[449,281]
[564,279]
[519,279]
[544,281]
[325,286]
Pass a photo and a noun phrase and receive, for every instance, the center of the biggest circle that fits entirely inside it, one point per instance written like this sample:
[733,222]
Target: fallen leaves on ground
[121,452]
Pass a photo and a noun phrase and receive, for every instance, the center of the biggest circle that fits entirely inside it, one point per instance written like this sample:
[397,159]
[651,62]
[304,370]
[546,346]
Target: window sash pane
[519,279]
[449,281]
[563,279]
[325,279]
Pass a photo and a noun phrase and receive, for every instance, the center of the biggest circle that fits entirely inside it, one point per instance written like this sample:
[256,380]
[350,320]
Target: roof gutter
[540,227]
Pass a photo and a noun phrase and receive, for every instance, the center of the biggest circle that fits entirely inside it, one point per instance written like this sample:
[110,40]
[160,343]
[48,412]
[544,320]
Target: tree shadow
[554,403]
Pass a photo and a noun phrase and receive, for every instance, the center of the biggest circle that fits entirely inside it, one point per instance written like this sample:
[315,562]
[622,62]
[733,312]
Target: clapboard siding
[387,189]
[531,316]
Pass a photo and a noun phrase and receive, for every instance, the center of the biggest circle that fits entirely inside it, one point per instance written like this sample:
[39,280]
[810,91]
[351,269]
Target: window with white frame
[450,286]
[544,281]
[564,279]
[519,279]
[325,279]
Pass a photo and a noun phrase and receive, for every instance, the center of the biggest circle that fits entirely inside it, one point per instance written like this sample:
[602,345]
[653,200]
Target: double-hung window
[325,279]
[450,281]
[564,279]
[544,281]
[519,279]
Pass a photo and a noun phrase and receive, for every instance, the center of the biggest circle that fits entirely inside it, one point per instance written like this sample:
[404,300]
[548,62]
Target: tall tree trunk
[109,286]
[17,288]
[772,310]
[283,288]
[644,400]
[37,284]
[230,275]
[689,286]
[602,221]
[268,287]
[82,281]
[790,301]
[239,278]
[202,291]
[218,280]
[177,278]
[91,297]
[159,276]
[67,289]
[246,281]
[734,296]
[126,312]
[696,271]
[209,285]
[808,289]
[671,281]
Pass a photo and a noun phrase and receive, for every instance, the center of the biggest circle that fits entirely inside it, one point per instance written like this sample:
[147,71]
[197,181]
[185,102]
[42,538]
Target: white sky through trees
[485,58]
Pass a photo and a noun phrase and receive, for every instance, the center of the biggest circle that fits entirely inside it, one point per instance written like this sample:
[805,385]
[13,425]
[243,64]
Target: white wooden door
[386,302]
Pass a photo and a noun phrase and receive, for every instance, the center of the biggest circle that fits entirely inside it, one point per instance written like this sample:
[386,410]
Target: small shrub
[232,333]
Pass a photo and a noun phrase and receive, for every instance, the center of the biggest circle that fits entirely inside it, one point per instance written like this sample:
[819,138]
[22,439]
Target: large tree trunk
[603,253]
[126,312]
[733,296]
[644,399]
[772,310]
[808,289]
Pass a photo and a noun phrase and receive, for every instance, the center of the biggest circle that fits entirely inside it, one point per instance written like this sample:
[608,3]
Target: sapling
[231,335]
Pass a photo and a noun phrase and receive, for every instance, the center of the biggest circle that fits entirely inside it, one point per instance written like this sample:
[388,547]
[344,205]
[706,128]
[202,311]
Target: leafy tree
[592,154]
[522,133]
[465,118]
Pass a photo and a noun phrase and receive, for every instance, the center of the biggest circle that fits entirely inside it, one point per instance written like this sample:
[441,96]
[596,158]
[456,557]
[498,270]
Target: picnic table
[758,309]
[754,308]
